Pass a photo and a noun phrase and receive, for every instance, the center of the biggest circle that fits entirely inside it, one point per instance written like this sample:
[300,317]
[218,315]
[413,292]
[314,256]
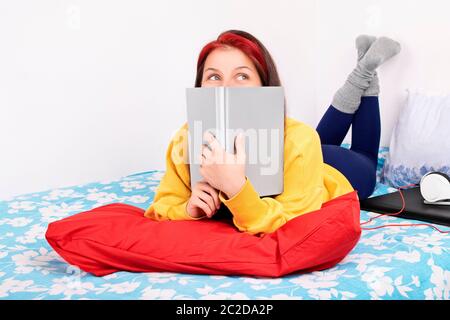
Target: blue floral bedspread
[387,263]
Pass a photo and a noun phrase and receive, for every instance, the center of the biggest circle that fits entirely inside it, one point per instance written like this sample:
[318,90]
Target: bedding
[389,263]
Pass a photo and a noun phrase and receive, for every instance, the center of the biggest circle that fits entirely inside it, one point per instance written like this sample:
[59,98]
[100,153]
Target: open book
[257,112]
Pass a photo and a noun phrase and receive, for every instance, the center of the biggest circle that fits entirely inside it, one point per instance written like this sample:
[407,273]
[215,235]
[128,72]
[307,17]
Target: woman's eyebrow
[214,69]
[217,70]
[242,67]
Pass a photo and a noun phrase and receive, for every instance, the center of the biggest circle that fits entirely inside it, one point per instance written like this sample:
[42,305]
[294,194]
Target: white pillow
[420,141]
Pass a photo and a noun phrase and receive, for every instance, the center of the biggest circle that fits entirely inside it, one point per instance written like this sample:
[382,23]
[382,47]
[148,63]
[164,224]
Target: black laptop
[414,206]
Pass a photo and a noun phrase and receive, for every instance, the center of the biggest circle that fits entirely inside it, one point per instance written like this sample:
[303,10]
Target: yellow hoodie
[308,183]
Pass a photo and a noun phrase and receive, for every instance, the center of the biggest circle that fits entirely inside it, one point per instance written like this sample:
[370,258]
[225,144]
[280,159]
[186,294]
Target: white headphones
[435,188]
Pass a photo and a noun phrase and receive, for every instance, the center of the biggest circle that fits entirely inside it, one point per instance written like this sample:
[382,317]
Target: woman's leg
[356,103]
[366,129]
[359,164]
[361,88]
[333,126]
[356,167]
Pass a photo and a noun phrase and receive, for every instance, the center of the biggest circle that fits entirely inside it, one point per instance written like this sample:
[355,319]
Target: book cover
[257,112]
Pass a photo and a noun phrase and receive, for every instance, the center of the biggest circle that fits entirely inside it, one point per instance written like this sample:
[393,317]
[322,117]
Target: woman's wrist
[234,187]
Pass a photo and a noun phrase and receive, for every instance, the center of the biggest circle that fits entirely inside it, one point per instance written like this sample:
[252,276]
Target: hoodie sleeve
[303,188]
[173,192]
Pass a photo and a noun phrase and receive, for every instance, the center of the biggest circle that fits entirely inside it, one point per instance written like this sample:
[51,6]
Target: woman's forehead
[228,58]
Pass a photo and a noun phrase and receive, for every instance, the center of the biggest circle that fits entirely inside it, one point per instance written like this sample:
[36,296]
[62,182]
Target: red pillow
[117,237]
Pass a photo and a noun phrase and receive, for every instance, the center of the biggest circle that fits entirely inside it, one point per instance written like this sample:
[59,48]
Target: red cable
[406,225]
[397,213]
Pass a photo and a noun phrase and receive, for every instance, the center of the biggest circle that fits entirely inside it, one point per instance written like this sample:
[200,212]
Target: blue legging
[359,163]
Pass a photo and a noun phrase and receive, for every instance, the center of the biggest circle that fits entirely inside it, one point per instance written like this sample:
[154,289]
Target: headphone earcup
[435,186]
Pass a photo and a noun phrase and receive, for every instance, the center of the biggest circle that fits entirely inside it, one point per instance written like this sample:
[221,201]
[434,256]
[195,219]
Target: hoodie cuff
[244,205]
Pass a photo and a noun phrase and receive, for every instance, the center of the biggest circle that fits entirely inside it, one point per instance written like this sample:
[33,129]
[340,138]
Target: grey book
[257,112]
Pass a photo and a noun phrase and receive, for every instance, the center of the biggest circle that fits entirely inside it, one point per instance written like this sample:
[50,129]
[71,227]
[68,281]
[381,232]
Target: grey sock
[363,43]
[348,98]
[380,51]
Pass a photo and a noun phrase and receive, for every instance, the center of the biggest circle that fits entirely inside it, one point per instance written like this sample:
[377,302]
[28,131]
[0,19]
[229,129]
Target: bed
[388,263]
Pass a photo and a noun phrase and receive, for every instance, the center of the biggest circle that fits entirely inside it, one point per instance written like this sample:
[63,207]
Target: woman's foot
[363,43]
[348,98]
[381,50]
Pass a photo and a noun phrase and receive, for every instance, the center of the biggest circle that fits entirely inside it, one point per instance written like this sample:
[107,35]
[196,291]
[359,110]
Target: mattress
[389,263]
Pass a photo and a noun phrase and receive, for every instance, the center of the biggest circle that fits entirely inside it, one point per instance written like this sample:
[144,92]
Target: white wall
[93,90]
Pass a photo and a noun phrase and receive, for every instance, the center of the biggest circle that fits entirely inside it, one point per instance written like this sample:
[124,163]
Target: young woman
[316,168]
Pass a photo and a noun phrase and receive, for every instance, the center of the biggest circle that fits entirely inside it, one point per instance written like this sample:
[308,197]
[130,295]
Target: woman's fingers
[213,192]
[240,149]
[212,141]
[206,152]
[197,202]
[208,199]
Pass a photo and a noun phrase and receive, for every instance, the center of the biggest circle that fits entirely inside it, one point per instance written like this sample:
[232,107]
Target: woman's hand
[222,170]
[204,200]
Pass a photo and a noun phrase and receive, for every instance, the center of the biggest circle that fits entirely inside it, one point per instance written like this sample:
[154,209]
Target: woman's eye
[242,75]
[213,75]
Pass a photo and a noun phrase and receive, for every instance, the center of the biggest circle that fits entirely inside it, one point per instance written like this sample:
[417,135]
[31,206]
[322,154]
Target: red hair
[248,44]
[229,39]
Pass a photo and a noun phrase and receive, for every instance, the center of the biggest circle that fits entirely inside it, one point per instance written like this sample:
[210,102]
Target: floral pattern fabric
[388,263]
